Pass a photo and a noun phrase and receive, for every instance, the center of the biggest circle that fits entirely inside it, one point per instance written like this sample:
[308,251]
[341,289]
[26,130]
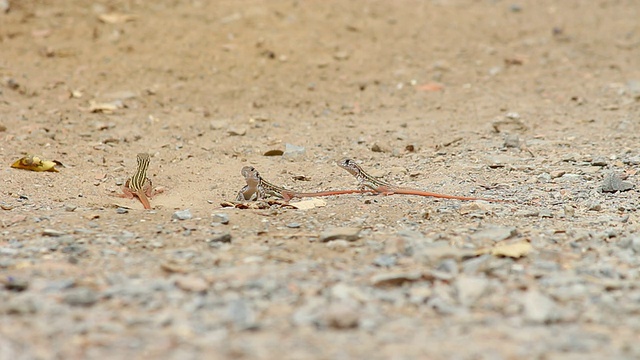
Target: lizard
[258,188]
[139,184]
[382,187]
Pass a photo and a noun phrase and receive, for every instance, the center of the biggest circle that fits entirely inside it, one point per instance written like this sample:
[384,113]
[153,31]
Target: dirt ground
[535,102]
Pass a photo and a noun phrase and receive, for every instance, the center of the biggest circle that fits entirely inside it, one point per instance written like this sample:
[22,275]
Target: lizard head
[249,171]
[142,159]
[349,165]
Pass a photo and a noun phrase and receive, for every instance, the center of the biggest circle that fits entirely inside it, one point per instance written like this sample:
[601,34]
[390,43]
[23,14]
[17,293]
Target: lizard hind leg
[147,188]
[126,191]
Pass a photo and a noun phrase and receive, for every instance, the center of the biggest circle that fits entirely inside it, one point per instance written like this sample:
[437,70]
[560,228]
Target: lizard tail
[143,199]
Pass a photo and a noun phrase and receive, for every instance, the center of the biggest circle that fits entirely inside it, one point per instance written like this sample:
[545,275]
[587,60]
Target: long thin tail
[143,199]
[390,191]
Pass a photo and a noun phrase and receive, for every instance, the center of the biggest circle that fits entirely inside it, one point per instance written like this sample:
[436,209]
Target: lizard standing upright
[367,181]
[139,184]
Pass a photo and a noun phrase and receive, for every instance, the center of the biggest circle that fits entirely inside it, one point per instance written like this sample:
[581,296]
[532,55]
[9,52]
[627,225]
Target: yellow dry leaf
[513,250]
[114,18]
[106,107]
[309,204]
[34,163]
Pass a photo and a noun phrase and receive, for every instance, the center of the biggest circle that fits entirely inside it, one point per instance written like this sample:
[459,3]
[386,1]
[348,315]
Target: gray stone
[342,316]
[395,279]
[385,260]
[442,306]
[221,238]
[511,141]
[599,161]
[242,315]
[470,288]
[309,313]
[182,215]
[291,151]
[191,283]
[52,232]
[494,233]
[344,233]
[538,307]
[419,294]
[81,296]
[438,251]
[220,218]
[447,269]
[21,305]
[613,183]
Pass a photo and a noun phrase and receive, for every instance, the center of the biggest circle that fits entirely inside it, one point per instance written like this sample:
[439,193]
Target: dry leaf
[274,153]
[114,18]
[105,108]
[34,163]
[513,250]
[309,204]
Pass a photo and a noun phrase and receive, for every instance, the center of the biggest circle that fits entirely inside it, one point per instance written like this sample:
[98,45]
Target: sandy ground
[535,102]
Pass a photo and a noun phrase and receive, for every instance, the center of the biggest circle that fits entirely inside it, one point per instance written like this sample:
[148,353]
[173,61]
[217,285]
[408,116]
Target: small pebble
[182,215]
[344,233]
[470,289]
[52,232]
[222,238]
[599,161]
[293,225]
[613,183]
[21,306]
[594,206]
[545,213]
[237,131]
[16,284]
[511,141]
[538,307]
[385,260]
[395,279]
[81,296]
[220,218]
[191,283]
[291,150]
[121,210]
[342,316]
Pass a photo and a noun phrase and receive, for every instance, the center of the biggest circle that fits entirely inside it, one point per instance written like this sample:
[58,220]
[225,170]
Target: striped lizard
[258,188]
[139,184]
[367,181]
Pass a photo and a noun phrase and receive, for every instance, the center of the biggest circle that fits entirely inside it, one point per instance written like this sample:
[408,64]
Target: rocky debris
[613,183]
[81,296]
[340,233]
[52,232]
[494,234]
[342,316]
[395,278]
[220,218]
[470,288]
[538,308]
[182,215]
[191,283]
